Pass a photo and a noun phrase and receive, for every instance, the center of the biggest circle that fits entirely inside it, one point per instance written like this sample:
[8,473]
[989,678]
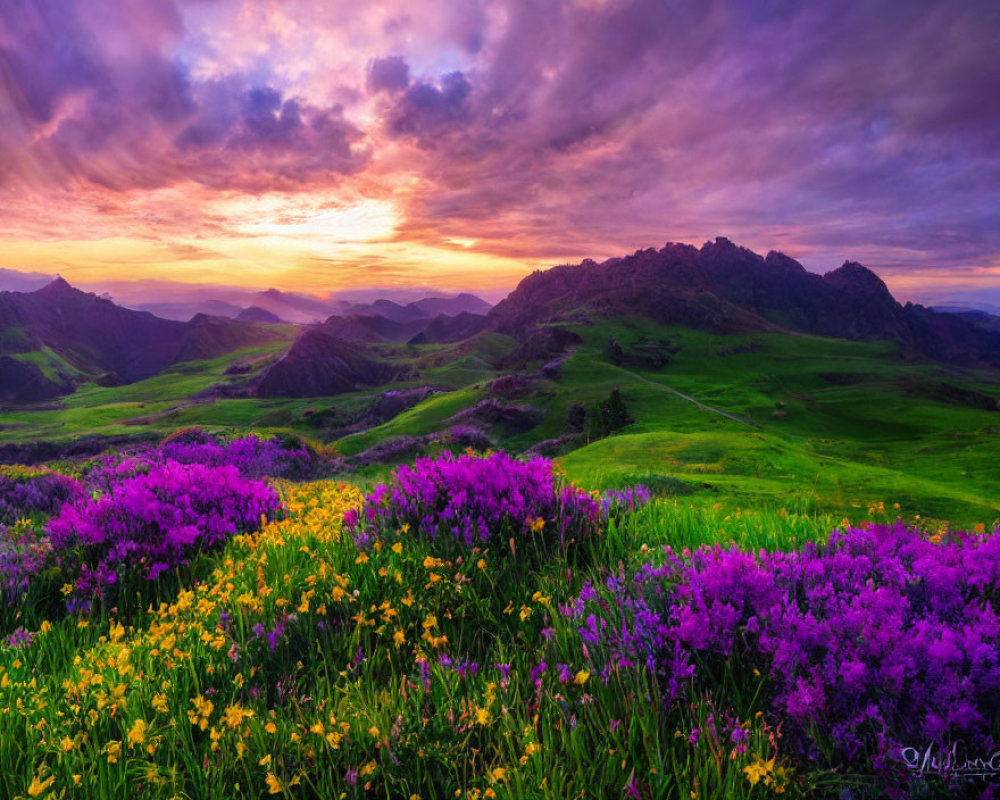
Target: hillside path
[671,390]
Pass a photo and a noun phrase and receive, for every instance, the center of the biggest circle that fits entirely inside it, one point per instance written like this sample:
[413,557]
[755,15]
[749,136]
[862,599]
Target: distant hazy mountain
[391,310]
[444,328]
[729,289]
[56,336]
[464,303]
[257,314]
[373,328]
[425,308]
[980,319]
[293,307]
[183,311]
[14,281]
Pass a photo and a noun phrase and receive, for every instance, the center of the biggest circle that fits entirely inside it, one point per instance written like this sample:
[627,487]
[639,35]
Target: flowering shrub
[882,639]
[475,500]
[157,520]
[26,491]
[253,456]
[22,556]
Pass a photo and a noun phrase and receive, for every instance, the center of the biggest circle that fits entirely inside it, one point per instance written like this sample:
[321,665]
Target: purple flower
[881,637]
[159,518]
[475,500]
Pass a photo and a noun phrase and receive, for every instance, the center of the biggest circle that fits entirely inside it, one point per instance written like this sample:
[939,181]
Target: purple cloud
[428,110]
[540,130]
[115,107]
[390,74]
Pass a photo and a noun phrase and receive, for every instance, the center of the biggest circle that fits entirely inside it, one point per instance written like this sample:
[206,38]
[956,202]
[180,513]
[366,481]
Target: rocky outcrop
[319,364]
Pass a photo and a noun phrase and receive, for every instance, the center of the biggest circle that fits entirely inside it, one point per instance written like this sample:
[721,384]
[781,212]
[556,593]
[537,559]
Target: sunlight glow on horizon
[317,145]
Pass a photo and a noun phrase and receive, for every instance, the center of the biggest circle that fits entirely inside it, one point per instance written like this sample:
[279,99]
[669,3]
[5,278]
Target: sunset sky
[319,145]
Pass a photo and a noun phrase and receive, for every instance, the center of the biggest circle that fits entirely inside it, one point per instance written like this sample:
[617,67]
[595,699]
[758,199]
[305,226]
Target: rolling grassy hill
[801,422]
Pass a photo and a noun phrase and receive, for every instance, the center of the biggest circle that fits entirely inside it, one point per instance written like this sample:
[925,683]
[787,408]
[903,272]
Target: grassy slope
[773,426]
[828,447]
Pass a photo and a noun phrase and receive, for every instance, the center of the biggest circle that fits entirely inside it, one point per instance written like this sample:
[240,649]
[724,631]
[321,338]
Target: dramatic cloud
[469,143]
[388,74]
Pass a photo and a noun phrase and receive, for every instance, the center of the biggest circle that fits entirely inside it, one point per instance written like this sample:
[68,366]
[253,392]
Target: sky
[323,145]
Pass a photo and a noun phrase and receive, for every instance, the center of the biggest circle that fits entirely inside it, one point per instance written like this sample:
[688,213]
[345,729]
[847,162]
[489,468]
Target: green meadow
[776,421]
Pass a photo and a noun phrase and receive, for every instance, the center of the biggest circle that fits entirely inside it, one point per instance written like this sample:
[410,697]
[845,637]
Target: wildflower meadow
[216,618]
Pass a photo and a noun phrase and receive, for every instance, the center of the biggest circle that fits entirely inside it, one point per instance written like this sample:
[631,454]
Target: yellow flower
[270,727]
[160,703]
[368,769]
[581,677]
[482,716]
[397,548]
[430,622]
[45,627]
[399,638]
[754,773]
[333,739]
[114,750]
[499,774]
[202,711]
[236,715]
[758,770]
[137,733]
[273,784]
[373,731]
[537,524]
[66,744]
[37,786]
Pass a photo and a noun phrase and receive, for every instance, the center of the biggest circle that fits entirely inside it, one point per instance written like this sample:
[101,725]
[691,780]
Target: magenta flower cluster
[157,520]
[879,640]
[479,499]
[253,456]
[28,492]
[23,555]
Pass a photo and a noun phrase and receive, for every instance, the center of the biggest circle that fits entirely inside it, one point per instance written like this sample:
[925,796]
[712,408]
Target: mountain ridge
[78,334]
[729,289]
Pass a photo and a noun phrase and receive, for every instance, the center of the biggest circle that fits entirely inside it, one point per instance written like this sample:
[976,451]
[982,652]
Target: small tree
[618,415]
[609,416]
[613,351]
[576,417]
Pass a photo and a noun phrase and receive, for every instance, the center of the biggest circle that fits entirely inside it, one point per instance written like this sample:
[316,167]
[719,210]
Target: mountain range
[728,289]
[57,337]
[303,309]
